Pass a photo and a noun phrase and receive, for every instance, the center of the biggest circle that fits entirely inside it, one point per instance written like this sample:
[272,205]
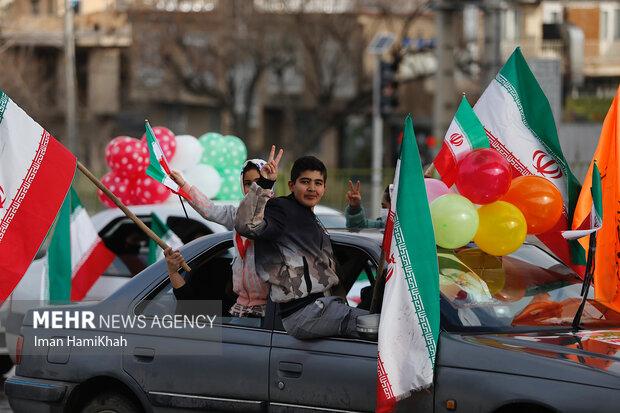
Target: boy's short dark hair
[308,163]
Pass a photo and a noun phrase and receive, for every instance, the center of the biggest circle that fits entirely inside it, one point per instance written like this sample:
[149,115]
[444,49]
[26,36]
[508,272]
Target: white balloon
[188,153]
[205,178]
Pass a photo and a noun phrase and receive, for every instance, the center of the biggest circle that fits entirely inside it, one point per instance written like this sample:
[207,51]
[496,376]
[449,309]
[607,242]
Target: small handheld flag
[596,213]
[159,168]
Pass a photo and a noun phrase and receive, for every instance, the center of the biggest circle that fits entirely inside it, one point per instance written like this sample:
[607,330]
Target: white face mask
[384,214]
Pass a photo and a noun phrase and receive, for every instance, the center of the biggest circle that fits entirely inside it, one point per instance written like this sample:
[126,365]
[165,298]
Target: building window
[36,6]
[617,24]
[604,25]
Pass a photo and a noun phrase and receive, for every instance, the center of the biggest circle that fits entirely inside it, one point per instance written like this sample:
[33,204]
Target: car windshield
[526,289]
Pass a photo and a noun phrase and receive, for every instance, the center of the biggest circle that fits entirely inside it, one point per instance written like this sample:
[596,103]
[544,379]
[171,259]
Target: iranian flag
[519,123]
[164,232]
[409,327]
[35,174]
[76,256]
[465,134]
[596,209]
[159,168]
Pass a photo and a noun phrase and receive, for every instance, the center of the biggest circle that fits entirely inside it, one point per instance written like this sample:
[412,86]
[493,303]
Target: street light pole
[377,140]
[70,80]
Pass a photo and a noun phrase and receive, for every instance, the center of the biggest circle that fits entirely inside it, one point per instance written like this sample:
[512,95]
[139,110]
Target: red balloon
[120,186]
[126,156]
[167,140]
[149,191]
[483,176]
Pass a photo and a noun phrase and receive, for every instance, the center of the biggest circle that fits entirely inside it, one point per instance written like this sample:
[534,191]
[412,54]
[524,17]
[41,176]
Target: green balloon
[455,220]
[223,152]
[213,154]
[231,185]
[236,150]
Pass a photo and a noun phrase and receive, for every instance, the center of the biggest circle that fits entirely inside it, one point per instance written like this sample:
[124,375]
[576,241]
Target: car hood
[587,356]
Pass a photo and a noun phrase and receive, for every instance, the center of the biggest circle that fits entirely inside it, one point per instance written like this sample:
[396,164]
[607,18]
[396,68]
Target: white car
[130,245]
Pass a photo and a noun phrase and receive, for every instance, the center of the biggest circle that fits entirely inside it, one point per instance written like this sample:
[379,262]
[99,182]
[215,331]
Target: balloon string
[183,205]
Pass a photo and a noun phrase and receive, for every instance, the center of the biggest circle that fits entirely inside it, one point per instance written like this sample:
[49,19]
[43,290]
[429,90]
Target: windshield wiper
[587,280]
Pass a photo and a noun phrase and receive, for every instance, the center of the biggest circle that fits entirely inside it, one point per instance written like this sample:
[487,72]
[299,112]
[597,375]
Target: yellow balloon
[502,228]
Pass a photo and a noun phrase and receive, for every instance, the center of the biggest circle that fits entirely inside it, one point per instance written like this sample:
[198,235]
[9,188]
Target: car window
[356,273]
[528,288]
[209,280]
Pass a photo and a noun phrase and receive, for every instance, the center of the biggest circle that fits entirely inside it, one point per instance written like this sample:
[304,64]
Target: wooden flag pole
[429,171]
[127,212]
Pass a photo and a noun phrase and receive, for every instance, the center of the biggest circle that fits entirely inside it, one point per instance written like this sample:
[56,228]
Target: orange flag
[607,259]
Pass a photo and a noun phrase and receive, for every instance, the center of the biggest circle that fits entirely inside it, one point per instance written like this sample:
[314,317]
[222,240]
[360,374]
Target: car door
[315,375]
[333,374]
[201,370]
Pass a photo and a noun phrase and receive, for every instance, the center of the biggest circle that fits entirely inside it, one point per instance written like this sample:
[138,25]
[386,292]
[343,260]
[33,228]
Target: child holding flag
[251,290]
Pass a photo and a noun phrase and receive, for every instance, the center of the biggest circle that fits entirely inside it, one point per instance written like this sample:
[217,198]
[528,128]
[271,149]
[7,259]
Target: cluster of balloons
[128,159]
[491,208]
[211,163]
[226,154]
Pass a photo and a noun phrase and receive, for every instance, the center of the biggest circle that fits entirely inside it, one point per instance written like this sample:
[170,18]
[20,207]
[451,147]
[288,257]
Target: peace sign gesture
[354,196]
[270,169]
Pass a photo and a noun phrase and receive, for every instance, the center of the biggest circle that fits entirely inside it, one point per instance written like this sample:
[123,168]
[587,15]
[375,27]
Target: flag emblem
[546,165]
[456,139]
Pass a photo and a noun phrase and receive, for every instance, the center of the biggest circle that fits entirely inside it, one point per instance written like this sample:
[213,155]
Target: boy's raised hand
[354,196]
[270,169]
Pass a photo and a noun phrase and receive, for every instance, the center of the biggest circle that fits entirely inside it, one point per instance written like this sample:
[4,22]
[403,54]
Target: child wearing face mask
[355,214]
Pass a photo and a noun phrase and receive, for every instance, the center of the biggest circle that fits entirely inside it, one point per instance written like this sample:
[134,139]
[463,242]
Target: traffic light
[389,86]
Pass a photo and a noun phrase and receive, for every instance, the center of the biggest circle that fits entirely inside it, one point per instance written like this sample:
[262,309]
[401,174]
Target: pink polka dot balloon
[120,186]
[149,191]
[167,140]
[127,156]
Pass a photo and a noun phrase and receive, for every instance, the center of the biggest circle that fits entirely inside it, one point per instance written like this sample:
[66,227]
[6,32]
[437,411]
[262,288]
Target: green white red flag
[409,328]
[596,212]
[76,256]
[465,134]
[519,123]
[35,174]
[164,232]
[159,168]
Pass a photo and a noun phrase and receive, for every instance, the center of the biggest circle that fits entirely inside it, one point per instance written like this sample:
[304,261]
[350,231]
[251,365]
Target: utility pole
[492,40]
[70,80]
[377,139]
[445,88]
[379,45]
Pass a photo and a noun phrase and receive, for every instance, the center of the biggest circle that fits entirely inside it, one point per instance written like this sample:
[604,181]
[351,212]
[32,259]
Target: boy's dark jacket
[293,250]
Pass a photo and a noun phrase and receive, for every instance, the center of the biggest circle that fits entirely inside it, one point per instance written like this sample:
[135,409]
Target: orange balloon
[539,201]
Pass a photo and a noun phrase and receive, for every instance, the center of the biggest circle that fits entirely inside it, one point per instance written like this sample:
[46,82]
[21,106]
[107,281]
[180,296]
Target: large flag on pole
[519,123]
[465,134]
[35,174]
[76,256]
[607,257]
[409,327]
[159,168]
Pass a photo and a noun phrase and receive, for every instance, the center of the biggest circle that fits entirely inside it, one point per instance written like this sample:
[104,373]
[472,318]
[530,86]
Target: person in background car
[355,213]
[294,253]
[250,289]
